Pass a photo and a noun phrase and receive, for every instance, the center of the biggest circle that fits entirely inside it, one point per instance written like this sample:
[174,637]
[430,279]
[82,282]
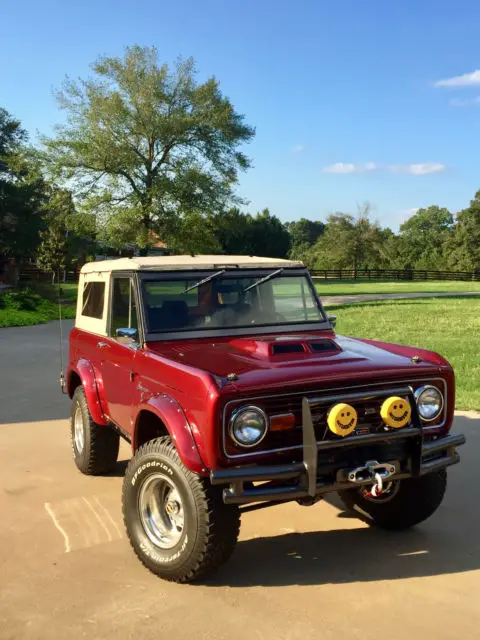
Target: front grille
[369,419]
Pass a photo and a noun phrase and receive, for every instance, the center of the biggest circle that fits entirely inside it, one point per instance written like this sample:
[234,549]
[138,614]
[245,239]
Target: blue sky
[351,100]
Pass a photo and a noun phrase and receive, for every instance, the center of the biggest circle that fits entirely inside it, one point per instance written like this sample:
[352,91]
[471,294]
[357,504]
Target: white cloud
[298,148]
[421,169]
[347,167]
[459,102]
[404,214]
[466,80]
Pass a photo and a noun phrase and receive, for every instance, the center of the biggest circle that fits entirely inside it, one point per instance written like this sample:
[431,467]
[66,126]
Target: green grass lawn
[449,326]
[69,291]
[352,287]
[28,307]
[349,287]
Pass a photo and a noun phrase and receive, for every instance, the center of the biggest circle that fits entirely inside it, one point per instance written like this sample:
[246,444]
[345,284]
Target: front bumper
[310,478]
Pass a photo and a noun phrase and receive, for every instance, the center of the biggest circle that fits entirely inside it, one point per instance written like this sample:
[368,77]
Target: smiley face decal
[396,412]
[342,419]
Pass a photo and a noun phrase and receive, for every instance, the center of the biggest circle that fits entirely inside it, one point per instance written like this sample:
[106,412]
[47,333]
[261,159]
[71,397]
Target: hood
[270,362]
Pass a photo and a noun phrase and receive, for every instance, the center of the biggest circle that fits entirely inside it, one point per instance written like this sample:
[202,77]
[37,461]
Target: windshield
[228,301]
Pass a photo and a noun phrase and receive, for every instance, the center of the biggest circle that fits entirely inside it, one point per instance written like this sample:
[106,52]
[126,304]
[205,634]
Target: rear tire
[95,446]
[412,501]
[177,523]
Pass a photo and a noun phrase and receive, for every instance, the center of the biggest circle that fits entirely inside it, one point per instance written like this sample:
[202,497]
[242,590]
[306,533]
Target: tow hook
[372,472]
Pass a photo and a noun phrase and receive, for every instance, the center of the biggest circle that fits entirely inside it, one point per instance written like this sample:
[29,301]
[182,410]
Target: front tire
[95,446]
[410,502]
[176,521]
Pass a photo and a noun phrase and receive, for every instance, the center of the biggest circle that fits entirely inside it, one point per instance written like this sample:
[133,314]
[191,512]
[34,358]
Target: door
[118,352]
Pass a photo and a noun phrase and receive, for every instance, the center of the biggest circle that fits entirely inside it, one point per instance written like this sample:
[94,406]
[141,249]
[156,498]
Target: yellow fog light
[342,419]
[396,412]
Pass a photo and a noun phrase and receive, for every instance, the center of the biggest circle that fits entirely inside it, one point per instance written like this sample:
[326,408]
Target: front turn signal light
[282,422]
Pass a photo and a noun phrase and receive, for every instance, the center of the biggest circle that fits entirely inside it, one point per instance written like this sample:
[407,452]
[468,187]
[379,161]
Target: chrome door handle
[103,345]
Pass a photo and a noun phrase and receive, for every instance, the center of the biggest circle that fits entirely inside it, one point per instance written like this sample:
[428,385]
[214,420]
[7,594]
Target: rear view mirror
[131,333]
[332,320]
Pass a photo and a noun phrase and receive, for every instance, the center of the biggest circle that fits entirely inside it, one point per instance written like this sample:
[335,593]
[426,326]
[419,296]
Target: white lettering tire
[209,529]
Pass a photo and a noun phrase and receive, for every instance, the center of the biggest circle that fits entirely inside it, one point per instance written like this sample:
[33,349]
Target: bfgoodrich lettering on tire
[177,523]
[95,447]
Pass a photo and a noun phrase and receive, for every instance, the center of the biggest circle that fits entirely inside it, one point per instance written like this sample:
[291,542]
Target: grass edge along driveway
[358,287]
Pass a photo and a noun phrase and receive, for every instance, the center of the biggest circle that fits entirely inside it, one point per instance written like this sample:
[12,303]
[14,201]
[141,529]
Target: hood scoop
[292,347]
[300,346]
[324,346]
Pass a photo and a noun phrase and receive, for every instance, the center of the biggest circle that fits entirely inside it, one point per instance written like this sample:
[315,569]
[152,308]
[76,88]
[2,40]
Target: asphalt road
[66,569]
[369,297]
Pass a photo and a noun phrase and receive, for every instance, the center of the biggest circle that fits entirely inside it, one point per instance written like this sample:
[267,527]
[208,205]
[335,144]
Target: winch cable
[60,317]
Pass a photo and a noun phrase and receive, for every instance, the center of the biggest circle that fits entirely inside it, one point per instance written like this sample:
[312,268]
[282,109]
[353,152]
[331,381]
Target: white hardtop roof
[179,263]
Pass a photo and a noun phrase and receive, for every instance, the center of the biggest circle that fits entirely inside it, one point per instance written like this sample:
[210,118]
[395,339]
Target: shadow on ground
[447,543]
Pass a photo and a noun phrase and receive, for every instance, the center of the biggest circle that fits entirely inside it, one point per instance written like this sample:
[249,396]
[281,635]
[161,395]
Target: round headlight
[248,426]
[429,402]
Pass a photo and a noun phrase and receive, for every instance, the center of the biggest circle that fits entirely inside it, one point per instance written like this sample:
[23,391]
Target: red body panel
[92,385]
[173,417]
[185,382]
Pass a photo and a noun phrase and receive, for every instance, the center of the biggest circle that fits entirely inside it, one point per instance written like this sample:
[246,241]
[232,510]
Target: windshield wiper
[262,280]
[207,279]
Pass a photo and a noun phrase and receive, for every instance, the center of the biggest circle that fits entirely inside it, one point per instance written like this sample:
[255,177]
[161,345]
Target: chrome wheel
[161,511]
[78,430]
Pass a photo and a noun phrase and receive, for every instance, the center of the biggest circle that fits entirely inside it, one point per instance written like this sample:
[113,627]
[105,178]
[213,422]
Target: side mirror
[127,333]
[332,320]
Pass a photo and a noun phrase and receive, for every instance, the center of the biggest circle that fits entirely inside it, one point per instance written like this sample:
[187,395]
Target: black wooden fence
[393,274]
[31,272]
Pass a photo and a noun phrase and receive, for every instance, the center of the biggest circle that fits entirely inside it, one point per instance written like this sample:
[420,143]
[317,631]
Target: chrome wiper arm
[207,279]
[262,280]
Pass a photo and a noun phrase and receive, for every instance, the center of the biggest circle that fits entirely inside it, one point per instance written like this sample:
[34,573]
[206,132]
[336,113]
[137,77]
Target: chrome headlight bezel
[232,423]
[419,392]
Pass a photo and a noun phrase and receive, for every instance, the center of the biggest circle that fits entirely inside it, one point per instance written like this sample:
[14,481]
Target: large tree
[241,233]
[59,244]
[234,231]
[270,237]
[304,233]
[348,243]
[423,236]
[462,248]
[22,192]
[145,144]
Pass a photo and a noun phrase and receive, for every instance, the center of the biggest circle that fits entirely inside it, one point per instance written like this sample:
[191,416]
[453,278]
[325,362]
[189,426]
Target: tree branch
[162,160]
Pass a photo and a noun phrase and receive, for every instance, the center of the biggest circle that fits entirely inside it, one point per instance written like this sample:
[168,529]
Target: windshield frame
[264,329]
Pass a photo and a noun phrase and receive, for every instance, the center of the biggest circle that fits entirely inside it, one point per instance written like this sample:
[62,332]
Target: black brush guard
[304,480]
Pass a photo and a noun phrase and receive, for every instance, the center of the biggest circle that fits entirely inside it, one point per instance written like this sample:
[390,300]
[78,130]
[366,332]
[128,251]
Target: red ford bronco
[229,381]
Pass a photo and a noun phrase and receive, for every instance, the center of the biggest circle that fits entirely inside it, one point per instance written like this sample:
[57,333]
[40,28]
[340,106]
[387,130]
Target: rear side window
[93,299]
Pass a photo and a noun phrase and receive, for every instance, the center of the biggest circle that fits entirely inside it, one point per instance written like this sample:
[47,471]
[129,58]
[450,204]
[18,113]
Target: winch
[372,472]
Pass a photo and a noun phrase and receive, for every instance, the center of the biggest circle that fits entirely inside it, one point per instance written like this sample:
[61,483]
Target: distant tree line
[431,239]
[147,153]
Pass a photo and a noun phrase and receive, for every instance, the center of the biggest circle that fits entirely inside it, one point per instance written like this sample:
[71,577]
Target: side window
[93,299]
[124,308]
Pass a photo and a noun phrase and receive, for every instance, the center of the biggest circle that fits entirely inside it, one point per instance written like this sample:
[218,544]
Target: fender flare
[171,413]
[92,384]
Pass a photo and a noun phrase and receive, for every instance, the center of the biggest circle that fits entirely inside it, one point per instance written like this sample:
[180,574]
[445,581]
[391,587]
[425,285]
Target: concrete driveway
[66,569]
